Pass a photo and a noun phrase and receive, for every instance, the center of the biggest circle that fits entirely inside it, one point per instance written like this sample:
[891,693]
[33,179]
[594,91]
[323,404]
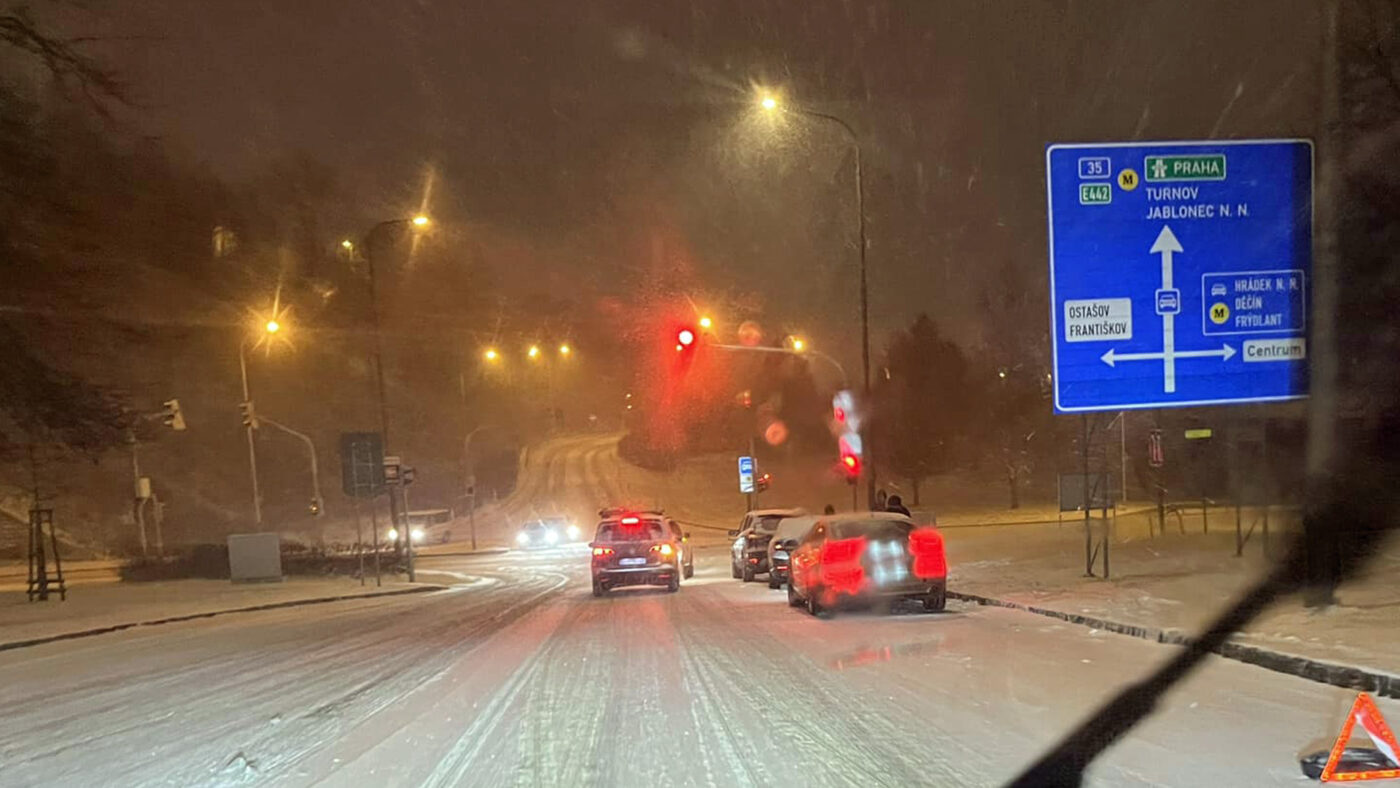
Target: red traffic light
[684,338]
[850,464]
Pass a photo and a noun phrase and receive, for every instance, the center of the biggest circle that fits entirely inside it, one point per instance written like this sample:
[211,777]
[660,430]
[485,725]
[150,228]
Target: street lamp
[770,104]
[491,355]
[368,244]
[706,323]
[565,350]
[250,422]
[533,352]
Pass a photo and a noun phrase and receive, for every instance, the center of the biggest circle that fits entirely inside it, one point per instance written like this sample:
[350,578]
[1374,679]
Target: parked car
[785,540]
[748,556]
[868,559]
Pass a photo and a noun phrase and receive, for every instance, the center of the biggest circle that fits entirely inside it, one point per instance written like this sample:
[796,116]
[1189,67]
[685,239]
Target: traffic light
[250,419]
[171,415]
[685,339]
[850,466]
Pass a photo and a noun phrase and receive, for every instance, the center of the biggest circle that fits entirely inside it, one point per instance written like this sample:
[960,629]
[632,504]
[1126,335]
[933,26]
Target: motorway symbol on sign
[1200,268]
[746,475]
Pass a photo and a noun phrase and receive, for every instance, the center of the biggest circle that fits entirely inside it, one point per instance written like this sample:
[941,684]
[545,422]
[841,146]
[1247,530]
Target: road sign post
[746,473]
[1179,272]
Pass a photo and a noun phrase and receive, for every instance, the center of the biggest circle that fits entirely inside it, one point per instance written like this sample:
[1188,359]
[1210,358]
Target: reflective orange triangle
[1364,711]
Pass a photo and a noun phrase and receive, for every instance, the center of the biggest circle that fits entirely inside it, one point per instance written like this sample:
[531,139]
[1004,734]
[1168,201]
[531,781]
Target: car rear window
[645,531]
[872,529]
[768,523]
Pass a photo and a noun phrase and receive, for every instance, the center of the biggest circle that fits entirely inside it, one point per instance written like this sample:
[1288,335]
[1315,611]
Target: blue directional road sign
[1179,272]
[746,474]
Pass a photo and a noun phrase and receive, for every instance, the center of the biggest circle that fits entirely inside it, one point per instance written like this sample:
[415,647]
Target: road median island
[103,609]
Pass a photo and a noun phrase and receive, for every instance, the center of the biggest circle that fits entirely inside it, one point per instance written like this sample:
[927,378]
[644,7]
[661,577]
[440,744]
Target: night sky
[618,136]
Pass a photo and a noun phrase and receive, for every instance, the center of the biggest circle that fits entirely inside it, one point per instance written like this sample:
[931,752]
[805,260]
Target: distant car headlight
[572,531]
[416,534]
[522,538]
[551,536]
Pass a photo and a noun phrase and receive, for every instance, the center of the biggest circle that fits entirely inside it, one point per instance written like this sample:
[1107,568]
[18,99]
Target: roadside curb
[1375,682]
[87,633]
[464,553]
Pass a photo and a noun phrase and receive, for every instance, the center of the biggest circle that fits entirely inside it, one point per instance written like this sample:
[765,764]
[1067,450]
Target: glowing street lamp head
[706,323]
[799,344]
[768,103]
[348,244]
[565,350]
[491,354]
[420,221]
[533,352]
[273,326]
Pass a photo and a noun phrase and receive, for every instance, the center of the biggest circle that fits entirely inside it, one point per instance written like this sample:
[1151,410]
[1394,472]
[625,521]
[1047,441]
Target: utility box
[255,558]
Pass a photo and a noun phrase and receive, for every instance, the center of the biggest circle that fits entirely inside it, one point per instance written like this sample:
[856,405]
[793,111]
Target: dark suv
[636,549]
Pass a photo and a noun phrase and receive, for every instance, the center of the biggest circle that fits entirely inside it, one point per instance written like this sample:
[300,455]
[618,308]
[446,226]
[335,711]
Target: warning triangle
[1364,711]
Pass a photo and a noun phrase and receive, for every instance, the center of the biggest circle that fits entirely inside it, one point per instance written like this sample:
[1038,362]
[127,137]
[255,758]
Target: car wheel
[675,584]
[814,607]
[599,589]
[935,602]
[793,599]
[748,573]
[733,567]
[774,582]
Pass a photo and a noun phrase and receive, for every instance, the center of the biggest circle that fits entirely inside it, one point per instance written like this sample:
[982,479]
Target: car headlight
[572,532]
[551,537]
[522,538]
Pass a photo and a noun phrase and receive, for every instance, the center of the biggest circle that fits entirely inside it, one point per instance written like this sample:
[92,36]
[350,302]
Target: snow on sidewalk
[1179,582]
[103,605]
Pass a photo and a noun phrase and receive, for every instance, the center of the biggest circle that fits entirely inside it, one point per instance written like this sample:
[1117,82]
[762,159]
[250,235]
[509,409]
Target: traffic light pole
[311,450]
[252,450]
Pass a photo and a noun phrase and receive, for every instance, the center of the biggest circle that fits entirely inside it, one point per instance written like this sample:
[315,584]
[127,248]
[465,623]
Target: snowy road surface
[526,679]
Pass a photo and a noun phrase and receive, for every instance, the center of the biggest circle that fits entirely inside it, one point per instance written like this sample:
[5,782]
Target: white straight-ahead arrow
[1166,245]
[1110,358]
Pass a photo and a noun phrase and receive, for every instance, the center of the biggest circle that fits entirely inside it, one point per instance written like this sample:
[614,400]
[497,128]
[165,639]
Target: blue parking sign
[1179,272]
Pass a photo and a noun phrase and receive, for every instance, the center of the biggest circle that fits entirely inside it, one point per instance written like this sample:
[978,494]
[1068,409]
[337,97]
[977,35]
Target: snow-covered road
[526,679]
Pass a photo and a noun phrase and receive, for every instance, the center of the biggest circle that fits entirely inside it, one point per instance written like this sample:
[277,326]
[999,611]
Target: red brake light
[840,565]
[926,544]
[842,551]
[631,520]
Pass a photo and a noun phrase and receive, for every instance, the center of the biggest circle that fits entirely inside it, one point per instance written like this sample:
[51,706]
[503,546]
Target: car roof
[858,518]
[777,512]
[792,527]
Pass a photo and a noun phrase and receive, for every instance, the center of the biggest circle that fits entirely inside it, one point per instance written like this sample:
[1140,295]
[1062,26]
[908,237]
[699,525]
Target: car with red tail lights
[637,548]
[871,559]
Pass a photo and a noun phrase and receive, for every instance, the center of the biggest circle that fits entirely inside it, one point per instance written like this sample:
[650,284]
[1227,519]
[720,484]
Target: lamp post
[250,422]
[771,104]
[370,238]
